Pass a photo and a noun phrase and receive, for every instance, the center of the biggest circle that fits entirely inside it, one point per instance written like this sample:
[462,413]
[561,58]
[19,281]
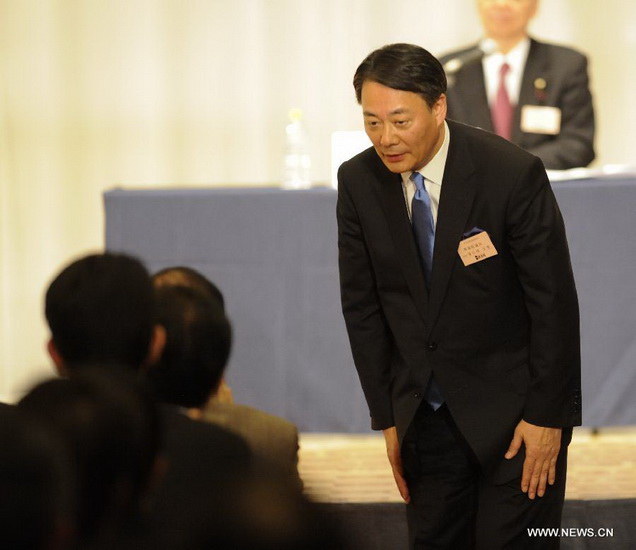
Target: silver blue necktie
[424,231]
[423,226]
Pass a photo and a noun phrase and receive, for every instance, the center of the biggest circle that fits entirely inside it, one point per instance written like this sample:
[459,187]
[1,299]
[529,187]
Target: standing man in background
[461,310]
[534,94]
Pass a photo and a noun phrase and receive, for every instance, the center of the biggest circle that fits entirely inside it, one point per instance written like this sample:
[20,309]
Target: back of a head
[100,309]
[255,513]
[266,514]
[36,503]
[190,278]
[404,67]
[198,342]
[109,421]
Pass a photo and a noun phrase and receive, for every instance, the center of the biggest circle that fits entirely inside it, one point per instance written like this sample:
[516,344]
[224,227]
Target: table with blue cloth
[274,255]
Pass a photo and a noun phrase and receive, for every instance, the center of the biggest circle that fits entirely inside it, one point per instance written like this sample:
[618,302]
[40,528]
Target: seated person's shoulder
[181,433]
[232,413]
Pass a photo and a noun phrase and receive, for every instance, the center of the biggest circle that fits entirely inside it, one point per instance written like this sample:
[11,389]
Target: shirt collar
[516,57]
[434,170]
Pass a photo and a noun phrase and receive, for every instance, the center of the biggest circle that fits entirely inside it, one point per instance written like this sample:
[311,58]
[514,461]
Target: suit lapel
[458,192]
[391,197]
[537,66]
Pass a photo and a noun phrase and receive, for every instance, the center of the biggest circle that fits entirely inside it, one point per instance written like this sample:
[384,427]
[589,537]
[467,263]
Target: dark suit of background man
[546,82]
[499,338]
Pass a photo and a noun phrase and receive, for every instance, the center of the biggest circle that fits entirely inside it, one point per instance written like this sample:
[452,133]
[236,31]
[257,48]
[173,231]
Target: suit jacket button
[417,395]
[432,346]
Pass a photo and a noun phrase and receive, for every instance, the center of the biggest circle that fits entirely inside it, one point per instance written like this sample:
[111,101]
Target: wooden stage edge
[346,468]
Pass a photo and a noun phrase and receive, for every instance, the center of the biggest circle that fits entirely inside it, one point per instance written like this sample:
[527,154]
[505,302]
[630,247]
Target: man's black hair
[108,419]
[100,308]
[198,342]
[36,482]
[189,277]
[403,67]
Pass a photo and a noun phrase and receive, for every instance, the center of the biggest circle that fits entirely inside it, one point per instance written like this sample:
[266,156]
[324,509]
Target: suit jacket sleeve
[537,240]
[370,338]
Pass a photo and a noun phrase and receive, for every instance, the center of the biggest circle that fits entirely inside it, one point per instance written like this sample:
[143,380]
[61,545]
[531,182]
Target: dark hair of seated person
[108,418]
[188,277]
[255,513]
[100,309]
[198,342]
[36,486]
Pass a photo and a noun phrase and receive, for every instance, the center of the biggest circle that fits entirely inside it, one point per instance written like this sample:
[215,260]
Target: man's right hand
[393,452]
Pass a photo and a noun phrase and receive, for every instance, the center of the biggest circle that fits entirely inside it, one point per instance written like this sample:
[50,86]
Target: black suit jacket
[567,87]
[203,464]
[501,335]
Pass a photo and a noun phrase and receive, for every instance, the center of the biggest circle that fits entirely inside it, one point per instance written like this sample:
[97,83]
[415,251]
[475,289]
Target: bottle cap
[295,114]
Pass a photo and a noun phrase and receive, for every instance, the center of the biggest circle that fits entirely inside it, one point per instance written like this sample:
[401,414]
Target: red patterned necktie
[502,109]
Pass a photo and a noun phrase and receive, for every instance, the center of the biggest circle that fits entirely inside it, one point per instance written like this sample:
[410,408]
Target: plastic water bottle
[297,168]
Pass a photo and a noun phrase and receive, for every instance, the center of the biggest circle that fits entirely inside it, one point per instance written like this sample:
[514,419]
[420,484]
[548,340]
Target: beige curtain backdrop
[102,93]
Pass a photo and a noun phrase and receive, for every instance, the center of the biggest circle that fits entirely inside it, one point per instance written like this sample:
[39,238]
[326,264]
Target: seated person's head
[188,277]
[100,309]
[36,485]
[109,422]
[198,341]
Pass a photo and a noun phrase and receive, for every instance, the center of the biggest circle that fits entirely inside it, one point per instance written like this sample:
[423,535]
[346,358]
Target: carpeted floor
[354,468]
[350,476]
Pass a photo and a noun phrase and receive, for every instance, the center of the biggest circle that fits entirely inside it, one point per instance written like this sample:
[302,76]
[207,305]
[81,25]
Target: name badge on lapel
[477,248]
[541,120]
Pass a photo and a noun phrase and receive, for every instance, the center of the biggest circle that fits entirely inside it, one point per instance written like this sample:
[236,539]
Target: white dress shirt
[516,59]
[433,174]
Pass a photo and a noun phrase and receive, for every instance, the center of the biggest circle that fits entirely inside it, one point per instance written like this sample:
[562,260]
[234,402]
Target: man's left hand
[542,448]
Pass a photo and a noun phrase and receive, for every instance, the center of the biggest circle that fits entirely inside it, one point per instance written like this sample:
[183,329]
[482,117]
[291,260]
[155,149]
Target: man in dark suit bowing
[461,309]
[533,93]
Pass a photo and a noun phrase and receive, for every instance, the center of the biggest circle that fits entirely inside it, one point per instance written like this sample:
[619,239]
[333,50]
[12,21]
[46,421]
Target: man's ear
[440,109]
[58,361]
[157,343]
